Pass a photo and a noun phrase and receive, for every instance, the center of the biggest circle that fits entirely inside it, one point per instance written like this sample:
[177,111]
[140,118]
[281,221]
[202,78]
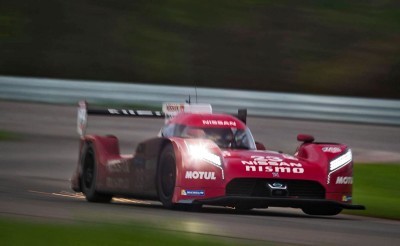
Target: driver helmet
[193,132]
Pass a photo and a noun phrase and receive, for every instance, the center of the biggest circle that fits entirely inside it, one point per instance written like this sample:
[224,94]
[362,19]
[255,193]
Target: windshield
[224,137]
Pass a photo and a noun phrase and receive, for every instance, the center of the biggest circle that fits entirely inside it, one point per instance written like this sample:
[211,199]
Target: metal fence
[299,106]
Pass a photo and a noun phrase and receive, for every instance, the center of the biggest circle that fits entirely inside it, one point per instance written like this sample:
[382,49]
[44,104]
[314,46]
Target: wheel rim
[168,174]
[88,175]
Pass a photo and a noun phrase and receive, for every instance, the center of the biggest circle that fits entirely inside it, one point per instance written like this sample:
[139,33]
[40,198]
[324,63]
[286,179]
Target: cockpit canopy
[225,130]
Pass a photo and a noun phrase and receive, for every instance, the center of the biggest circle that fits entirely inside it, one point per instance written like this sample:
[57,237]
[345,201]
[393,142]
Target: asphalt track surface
[35,172]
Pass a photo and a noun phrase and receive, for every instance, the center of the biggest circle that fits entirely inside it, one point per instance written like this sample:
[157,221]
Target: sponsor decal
[175,107]
[272,164]
[193,192]
[344,180]
[277,185]
[219,122]
[347,198]
[172,109]
[200,175]
[332,149]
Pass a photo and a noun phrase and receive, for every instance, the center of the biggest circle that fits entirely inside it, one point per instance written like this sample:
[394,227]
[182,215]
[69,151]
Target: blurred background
[340,47]
[321,47]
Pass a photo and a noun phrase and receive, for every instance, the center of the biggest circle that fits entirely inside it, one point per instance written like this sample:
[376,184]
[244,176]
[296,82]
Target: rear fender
[104,147]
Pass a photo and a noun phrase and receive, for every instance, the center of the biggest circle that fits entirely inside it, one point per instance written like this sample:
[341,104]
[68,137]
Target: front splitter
[275,202]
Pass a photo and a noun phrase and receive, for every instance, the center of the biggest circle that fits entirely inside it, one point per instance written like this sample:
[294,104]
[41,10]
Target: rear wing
[84,111]
[169,110]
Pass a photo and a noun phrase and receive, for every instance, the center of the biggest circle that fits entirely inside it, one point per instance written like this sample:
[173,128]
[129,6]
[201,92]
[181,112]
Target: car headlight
[341,161]
[200,152]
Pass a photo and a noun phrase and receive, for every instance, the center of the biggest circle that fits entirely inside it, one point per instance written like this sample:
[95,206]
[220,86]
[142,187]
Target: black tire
[328,211]
[166,176]
[89,176]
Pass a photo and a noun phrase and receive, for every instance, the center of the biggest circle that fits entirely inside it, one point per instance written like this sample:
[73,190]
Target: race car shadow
[270,212]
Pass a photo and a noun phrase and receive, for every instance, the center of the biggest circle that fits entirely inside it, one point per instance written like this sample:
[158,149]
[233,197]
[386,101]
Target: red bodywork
[238,177]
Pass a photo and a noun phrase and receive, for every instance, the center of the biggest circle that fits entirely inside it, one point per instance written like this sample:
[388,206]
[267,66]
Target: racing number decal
[273,164]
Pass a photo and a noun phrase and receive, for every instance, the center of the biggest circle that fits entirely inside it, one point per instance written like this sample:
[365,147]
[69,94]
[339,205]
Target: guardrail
[300,106]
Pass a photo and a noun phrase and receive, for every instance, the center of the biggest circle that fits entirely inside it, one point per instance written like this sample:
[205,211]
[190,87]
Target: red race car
[201,158]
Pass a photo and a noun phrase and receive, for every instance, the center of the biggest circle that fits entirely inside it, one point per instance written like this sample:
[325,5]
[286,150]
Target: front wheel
[330,211]
[166,176]
[89,175]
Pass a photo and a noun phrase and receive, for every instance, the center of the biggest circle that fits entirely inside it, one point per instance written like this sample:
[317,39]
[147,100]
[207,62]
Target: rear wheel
[89,176]
[166,176]
[322,210]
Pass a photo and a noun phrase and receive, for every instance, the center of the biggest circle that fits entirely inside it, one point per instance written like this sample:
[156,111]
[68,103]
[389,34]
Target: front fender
[200,167]
[337,163]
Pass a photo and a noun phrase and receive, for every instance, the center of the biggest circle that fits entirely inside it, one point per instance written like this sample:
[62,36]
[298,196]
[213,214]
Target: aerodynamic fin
[84,111]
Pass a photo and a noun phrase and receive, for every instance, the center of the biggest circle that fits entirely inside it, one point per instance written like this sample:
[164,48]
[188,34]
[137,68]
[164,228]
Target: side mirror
[260,146]
[305,138]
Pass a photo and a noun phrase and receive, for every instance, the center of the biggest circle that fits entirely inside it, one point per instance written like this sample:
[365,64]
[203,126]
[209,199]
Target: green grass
[377,186]
[35,233]
[6,136]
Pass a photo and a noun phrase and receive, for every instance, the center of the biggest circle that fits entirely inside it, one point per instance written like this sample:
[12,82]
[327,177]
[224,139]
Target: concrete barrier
[299,106]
